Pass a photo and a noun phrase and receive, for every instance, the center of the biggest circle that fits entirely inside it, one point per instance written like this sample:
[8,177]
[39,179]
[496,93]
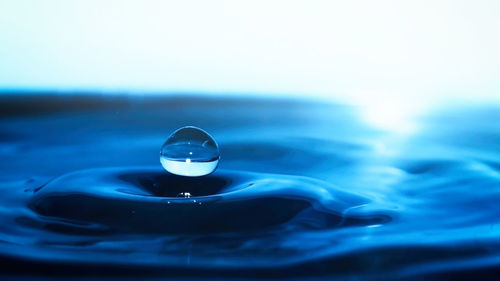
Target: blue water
[304,190]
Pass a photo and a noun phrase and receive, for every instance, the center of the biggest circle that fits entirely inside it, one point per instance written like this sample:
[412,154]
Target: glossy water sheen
[304,191]
[190,152]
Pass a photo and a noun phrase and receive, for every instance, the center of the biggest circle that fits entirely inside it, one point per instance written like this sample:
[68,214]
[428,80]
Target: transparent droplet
[191,152]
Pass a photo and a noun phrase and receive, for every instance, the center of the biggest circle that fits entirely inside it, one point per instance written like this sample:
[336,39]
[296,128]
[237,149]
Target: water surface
[304,190]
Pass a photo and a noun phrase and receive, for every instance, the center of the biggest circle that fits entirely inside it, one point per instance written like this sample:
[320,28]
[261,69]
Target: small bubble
[184,194]
[190,152]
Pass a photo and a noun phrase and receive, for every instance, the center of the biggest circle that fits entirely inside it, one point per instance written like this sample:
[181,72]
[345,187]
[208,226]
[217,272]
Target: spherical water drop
[191,152]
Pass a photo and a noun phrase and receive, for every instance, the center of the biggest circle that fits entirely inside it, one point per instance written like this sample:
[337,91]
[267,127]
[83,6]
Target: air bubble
[184,194]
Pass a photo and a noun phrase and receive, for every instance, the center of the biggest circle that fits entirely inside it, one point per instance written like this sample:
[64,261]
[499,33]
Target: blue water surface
[304,190]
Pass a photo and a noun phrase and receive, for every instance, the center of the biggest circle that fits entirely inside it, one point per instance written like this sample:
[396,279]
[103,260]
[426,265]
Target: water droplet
[191,152]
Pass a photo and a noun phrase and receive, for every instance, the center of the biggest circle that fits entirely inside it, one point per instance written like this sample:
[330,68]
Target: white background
[354,51]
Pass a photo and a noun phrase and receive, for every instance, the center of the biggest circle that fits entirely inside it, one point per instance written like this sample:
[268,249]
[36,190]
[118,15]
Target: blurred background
[404,53]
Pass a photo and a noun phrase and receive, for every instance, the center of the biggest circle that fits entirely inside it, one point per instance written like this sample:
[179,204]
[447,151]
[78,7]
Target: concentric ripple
[145,201]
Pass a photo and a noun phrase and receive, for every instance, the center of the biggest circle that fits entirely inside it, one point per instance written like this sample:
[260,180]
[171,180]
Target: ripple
[144,201]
